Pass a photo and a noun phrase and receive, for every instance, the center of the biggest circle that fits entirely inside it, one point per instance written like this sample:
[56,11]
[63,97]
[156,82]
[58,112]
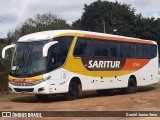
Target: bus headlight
[46,78]
[43,80]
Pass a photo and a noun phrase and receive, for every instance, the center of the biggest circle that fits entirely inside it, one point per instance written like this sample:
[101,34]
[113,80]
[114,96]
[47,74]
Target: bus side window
[64,44]
[104,49]
[120,49]
[130,50]
[141,51]
[100,48]
[83,47]
[54,57]
[96,48]
[152,51]
[113,49]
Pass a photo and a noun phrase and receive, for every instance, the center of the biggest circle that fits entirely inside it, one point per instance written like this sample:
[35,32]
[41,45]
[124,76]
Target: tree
[119,18]
[148,28]
[40,22]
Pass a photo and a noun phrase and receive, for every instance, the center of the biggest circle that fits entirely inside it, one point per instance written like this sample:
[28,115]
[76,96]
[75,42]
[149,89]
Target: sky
[14,12]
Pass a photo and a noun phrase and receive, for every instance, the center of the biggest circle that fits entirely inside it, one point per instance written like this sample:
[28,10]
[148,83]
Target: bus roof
[45,35]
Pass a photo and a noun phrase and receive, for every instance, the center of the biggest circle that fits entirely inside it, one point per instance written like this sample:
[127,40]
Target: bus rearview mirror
[5,49]
[46,48]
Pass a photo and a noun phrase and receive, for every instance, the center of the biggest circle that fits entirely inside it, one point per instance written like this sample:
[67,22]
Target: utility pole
[104,26]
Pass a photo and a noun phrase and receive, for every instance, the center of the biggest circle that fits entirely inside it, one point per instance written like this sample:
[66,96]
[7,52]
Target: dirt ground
[146,99]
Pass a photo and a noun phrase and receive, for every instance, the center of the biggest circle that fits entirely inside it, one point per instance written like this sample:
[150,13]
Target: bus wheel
[72,92]
[132,86]
[41,97]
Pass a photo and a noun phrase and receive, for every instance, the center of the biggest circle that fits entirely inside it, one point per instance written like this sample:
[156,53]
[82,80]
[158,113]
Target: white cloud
[14,12]
[155,14]
[146,7]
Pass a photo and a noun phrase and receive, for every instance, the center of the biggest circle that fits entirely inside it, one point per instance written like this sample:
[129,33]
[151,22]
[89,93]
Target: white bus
[71,61]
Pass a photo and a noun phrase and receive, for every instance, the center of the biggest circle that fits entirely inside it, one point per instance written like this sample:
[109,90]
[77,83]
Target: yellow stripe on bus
[29,79]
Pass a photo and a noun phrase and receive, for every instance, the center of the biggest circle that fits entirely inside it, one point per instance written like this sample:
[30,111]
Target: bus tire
[132,86]
[72,91]
[79,91]
[41,97]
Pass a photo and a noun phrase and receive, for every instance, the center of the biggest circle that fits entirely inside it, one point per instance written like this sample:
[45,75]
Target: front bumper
[47,87]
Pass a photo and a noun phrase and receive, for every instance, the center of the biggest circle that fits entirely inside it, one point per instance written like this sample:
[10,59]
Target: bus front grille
[24,90]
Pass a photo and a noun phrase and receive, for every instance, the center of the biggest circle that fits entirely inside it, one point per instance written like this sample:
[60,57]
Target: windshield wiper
[29,54]
[22,62]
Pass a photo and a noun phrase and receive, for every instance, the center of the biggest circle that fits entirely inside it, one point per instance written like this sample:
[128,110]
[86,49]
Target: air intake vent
[24,90]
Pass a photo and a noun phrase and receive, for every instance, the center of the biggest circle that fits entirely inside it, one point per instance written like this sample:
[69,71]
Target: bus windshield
[27,59]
